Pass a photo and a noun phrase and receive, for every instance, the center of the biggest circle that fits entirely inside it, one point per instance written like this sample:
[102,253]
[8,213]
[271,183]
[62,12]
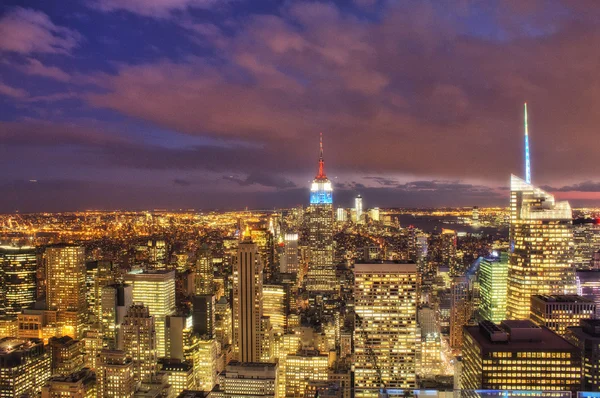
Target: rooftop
[567,298]
[544,340]
[385,266]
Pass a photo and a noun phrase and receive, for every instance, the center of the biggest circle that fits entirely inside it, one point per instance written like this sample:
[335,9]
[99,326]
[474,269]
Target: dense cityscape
[299,199]
[317,300]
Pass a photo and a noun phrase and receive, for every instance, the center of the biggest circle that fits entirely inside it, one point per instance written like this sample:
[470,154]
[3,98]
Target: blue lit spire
[527,161]
[321,189]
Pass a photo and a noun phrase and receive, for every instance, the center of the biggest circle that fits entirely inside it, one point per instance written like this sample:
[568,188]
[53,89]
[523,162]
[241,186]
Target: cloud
[27,31]
[181,182]
[153,8]
[264,179]
[585,186]
[12,92]
[388,182]
[35,67]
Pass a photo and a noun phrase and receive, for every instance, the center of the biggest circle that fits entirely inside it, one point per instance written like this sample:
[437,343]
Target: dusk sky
[141,104]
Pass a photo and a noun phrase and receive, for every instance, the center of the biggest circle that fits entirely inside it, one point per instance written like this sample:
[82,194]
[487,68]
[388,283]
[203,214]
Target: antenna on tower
[527,160]
[321,173]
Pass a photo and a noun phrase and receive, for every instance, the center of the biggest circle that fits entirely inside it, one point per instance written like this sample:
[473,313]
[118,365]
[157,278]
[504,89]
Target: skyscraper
[493,279]
[115,300]
[65,289]
[247,302]
[139,342]
[204,272]
[587,338]
[460,310]
[289,259]
[156,290]
[541,243]
[18,268]
[385,297]
[24,367]
[358,208]
[559,312]
[321,269]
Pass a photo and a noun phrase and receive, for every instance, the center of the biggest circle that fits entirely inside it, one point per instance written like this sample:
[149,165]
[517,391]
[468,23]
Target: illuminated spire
[321,173]
[527,161]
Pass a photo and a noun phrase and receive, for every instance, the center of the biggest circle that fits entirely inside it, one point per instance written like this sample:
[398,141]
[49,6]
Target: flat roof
[385,266]
[548,341]
[562,298]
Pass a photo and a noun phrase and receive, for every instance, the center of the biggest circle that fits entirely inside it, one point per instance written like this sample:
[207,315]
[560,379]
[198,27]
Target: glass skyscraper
[541,246]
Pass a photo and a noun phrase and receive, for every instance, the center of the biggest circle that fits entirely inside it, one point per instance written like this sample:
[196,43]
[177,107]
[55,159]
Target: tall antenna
[527,160]
[321,173]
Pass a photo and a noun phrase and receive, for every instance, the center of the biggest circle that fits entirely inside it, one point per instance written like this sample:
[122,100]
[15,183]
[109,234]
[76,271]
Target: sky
[218,104]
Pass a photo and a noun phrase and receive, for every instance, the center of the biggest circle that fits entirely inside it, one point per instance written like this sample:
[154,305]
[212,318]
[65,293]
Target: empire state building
[321,270]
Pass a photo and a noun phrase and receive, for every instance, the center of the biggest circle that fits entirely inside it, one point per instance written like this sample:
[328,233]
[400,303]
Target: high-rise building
[358,209]
[204,315]
[115,300]
[114,375]
[321,269]
[139,342]
[274,306]
[586,241]
[303,367]
[430,362]
[493,280]
[519,355]
[18,282]
[65,289]
[98,275]
[247,302]
[156,290]
[67,355]
[223,322]
[588,285]
[460,310]
[341,215]
[541,244]
[249,379]
[385,297]
[559,312]
[24,367]
[289,262]
[81,384]
[587,338]
[204,272]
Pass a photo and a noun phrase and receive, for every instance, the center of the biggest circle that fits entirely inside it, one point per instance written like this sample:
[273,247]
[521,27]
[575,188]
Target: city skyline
[203,104]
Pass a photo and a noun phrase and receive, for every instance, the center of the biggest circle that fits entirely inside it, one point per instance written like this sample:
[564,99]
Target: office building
[223,322]
[559,312]
[247,302]
[304,367]
[588,286]
[81,384]
[250,379]
[139,342]
[341,215]
[115,300]
[289,261]
[460,310]
[203,307]
[274,306]
[24,367]
[518,355]
[493,284]
[156,290]
[114,375]
[98,275]
[431,342]
[358,209]
[202,355]
[67,355]
[18,282]
[179,375]
[385,297]
[587,338]
[65,289]
[321,275]
[204,272]
[541,243]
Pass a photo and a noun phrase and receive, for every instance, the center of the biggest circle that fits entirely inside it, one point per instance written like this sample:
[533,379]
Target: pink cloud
[153,8]
[12,92]
[28,31]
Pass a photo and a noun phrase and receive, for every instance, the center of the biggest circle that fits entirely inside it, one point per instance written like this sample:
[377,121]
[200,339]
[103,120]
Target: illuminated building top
[321,190]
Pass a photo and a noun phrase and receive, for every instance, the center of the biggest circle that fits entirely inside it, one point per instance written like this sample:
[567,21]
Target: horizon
[204,104]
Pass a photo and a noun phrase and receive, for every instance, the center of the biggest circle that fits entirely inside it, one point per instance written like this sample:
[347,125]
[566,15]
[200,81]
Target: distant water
[435,224]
